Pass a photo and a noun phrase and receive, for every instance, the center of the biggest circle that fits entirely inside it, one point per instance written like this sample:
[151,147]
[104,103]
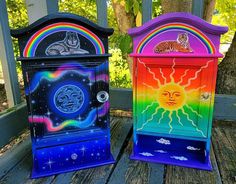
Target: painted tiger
[181,44]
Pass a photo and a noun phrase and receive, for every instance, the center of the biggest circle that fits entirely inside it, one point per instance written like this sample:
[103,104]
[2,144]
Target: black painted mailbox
[65,68]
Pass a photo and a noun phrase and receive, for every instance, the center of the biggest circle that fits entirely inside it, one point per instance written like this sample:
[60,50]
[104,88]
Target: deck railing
[14,120]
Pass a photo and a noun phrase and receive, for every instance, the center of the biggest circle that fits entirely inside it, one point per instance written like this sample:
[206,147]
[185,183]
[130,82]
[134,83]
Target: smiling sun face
[171,96]
[171,100]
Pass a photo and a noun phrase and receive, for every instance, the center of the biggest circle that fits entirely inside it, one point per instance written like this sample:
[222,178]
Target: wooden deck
[15,164]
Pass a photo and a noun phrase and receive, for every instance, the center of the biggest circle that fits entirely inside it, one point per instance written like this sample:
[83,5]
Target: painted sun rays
[171,97]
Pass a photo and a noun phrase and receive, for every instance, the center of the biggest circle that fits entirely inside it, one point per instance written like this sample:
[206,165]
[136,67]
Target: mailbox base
[165,160]
[36,174]
[71,156]
[165,150]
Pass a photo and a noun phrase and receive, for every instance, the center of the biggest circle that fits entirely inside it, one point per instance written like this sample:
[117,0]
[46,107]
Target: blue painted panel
[65,70]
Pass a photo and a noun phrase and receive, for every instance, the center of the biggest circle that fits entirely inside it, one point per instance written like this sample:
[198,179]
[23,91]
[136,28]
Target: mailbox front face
[174,96]
[68,99]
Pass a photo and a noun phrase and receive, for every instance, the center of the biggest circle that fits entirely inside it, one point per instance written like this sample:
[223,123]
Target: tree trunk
[176,6]
[186,6]
[209,7]
[226,78]
[124,20]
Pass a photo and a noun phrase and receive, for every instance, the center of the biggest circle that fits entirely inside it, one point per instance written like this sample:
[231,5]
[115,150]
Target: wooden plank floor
[15,164]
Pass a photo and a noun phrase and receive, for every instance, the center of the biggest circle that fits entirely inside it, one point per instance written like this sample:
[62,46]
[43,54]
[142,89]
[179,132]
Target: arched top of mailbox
[177,33]
[62,34]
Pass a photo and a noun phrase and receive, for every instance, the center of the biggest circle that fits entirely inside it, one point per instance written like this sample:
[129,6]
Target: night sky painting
[65,68]
[69,104]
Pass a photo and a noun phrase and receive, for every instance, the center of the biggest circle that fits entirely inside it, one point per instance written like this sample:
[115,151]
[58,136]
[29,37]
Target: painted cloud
[146,154]
[182,158]
[163,141]
[193,149]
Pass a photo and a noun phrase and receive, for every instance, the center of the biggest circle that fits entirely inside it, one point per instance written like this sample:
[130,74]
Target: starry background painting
[73,145]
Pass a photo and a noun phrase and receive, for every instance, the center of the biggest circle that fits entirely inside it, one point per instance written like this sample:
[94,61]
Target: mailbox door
[174,95]
[69,99]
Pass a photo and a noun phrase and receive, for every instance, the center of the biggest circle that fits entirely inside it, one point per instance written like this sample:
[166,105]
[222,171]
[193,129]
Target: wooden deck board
[14,156]
[120,127]
[180,175]
[130,171]
[16,163]
[224,143]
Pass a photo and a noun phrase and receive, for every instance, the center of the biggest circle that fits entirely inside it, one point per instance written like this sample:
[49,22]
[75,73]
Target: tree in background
[226,78]
[128,14]
[17,15]
[222,12]
[124,14]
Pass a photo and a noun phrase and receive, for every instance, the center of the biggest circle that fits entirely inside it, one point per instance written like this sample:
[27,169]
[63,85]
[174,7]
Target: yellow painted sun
[171,96]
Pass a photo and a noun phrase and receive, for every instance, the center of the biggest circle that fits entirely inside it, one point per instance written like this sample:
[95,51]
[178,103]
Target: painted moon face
[171,96]
[69,98]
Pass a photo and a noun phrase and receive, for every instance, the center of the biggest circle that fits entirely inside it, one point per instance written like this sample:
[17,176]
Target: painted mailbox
[174,74]
[65,68]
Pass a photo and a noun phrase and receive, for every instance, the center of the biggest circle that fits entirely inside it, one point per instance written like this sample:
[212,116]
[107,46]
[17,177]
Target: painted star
[48,113]
[49,163]
[83,149]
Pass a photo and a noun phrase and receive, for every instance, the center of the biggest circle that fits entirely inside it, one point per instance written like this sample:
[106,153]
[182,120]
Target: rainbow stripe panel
[173,99]
[36,39]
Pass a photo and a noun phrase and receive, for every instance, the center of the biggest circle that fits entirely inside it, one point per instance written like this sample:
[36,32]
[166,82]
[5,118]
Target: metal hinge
[27,77]
[34,133]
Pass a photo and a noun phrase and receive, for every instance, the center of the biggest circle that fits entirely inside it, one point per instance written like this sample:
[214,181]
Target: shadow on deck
[15,163]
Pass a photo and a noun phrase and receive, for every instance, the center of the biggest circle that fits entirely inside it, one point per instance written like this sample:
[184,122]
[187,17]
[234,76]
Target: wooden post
[39,8]
[101,12]
[197,8]
[7,59]
[146,10]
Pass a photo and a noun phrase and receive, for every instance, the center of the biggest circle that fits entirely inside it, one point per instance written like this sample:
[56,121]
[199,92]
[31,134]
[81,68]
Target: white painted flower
[163,141]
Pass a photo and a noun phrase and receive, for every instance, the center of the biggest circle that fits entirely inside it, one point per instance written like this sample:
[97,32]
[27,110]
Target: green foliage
[17,16]
[85,8]
[133,6]
[125,44]
[156,8]
[225,15]
[119,70]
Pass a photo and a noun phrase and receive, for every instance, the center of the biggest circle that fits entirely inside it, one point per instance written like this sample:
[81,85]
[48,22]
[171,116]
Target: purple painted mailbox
[175,60]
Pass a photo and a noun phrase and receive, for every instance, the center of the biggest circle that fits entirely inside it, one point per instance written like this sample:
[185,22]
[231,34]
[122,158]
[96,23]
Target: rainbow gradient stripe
[192,115]
[91,118]
[34,41]
[180,26]
[63,70]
